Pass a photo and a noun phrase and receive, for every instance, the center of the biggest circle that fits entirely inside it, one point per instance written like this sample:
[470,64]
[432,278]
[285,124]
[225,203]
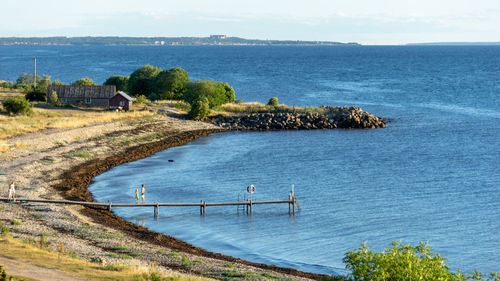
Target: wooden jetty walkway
[248,204]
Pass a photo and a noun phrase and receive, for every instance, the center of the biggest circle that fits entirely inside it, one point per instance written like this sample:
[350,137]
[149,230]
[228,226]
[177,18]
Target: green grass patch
[121,248]
[136,254]
[39,216]
[185,262]
[79,154]
[173,255]
[15,222]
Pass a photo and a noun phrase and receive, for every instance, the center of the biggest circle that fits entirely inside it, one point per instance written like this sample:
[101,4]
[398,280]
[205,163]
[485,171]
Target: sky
[368,22]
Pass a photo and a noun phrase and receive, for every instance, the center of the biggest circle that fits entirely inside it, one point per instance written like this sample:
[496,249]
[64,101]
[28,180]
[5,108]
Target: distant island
[455,44]
[157,41]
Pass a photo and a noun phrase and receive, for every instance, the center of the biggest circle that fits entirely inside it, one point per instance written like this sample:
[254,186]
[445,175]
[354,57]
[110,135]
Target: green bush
[200,109]
[38,94]
[53,99]
[182,105]
[403,262]
[85,81]
[17,105]
[217,93]
[140,99]
[3,229]
[153,97]
[3,274]
[273,101]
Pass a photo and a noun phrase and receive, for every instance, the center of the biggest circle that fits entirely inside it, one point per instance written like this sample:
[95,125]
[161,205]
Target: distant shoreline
[213,40]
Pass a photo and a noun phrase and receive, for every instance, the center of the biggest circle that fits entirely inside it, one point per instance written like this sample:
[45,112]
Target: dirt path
[24,269]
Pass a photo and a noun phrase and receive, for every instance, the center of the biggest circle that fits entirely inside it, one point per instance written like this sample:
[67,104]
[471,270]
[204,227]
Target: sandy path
[20,268]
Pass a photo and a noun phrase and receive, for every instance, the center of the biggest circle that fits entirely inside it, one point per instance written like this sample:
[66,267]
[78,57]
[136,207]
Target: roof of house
[124,95]
[68,91]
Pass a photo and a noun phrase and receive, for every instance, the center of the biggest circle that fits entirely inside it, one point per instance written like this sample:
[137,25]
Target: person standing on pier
[136,196]
[12,192]
[143,190]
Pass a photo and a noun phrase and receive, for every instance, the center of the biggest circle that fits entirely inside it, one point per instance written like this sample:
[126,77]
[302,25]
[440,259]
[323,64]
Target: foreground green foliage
[404,262]
[17,105]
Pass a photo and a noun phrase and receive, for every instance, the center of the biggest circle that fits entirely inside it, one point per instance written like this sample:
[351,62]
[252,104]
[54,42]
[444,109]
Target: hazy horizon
[386,22]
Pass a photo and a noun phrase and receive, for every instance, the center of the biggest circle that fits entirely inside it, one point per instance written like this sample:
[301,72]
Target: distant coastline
[455,44]
[159,41]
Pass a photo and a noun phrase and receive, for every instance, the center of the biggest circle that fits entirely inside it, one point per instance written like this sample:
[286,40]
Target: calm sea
[432,175]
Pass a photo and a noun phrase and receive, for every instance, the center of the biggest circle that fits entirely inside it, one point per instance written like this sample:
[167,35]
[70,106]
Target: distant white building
[219,37]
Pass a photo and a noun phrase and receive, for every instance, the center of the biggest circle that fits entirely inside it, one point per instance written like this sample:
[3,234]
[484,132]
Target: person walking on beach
[143,190]
[12,192]
[136,196]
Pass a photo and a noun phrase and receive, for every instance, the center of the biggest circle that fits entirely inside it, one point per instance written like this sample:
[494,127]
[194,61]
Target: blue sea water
[432,175]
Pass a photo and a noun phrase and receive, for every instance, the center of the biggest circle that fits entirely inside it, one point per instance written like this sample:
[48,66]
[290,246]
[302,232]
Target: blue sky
[363,21]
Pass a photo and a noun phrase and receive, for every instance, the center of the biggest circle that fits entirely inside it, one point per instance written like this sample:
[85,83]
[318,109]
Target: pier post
[251,206]
[293,204]
[109,206]
[204,207]
[201,207]
[289,203]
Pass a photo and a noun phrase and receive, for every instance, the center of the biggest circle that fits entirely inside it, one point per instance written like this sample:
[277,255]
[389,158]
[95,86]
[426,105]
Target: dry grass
[43,118]
[31,254]
[256,107]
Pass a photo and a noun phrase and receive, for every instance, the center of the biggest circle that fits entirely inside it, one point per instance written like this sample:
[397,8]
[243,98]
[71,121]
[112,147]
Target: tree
[273,101]
[217,93]
[27,79]
[45,82]
[53,99]
[17,105]
[57,83]
[85,81]
[141,80]
[171,84]
[121,82]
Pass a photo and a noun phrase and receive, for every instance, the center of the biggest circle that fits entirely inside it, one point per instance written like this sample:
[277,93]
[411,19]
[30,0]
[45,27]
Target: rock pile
[334,117]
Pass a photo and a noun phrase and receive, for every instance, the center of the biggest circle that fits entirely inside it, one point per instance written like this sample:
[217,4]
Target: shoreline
[42,169]
[75,185]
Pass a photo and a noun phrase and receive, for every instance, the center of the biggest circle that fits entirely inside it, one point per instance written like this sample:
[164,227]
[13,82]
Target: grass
[15,222]
[79,154]
[81,269]
[255,107]
[121,248]
[60,118]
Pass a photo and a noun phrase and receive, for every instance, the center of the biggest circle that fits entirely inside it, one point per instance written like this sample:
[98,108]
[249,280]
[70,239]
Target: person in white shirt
[12,192]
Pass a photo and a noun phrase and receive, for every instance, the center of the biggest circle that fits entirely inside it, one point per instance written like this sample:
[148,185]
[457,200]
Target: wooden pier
[247,204]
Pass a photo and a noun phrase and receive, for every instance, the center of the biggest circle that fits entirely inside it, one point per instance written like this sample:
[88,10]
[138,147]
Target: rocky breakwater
[326,118]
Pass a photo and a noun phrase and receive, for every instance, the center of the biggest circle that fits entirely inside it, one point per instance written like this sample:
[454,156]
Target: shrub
[17,105]
[53,99]
[140,99]
[3,229]
[39,94]
[403,262]
[3,274]
[153,97]
[217,93]
[273,101]
[200,109]
[15,222]
[85,81]
[182,105]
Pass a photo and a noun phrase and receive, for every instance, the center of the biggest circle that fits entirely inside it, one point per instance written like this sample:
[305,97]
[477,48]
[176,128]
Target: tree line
[147,82]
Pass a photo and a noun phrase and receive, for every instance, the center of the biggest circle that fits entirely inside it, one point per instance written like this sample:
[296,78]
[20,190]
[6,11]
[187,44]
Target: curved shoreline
[74,184]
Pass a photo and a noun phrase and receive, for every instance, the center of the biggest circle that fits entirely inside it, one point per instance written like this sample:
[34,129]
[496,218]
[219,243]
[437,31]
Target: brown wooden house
[95,96]
[121,100]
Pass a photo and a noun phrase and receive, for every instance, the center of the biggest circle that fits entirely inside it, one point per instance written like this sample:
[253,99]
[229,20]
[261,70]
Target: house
[121,100]
[95,96]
